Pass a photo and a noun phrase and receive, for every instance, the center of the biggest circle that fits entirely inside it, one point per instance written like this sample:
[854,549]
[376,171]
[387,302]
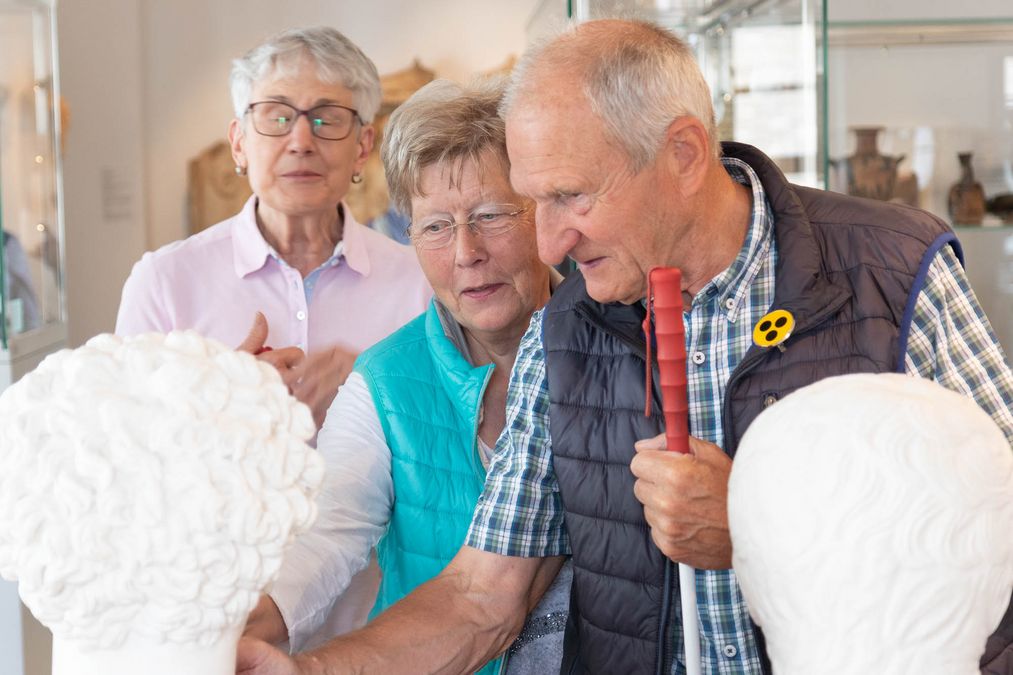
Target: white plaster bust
[872,527]
[148,489]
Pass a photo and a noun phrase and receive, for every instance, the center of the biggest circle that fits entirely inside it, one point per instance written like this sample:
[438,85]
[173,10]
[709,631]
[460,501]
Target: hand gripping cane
[664,298]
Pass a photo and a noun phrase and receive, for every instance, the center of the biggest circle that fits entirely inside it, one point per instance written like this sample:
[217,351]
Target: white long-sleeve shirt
[331,567]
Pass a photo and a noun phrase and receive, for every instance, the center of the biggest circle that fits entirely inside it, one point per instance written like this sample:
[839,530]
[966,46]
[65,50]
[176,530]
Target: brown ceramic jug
[869,173]
[967,197]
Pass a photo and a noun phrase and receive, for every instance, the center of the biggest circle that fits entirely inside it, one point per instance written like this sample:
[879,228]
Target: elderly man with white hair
[610,132]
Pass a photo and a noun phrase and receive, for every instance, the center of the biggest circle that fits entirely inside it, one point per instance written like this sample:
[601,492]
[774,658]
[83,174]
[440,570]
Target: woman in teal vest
[410,434]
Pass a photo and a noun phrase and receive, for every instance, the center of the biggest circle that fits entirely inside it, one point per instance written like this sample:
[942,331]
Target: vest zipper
[476,454]
[666,609]
[746,365]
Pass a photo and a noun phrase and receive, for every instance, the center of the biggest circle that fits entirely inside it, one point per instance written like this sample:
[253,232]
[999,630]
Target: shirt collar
[730,287]
[250,251]
[353,235]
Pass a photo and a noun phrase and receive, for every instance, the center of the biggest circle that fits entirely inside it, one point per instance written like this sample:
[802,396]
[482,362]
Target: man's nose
[555,239]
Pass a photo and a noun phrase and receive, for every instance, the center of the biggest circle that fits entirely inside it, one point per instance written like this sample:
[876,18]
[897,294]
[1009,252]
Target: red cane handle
[665,287]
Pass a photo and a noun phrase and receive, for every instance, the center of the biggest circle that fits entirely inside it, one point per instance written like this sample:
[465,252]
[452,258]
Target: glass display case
[31,217]
[32,315]
[910,101]
[772,102]
[929,99]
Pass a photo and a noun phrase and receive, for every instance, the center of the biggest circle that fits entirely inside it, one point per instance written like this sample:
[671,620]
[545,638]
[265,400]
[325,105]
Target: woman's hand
[318,376]
[284,360]
[313,379]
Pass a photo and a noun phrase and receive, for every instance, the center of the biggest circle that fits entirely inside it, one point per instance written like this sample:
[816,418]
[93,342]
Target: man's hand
[318,376]
[255,657]
[266,622]
[685,500]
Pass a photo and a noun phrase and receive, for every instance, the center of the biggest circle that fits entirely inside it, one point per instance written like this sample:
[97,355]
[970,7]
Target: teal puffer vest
[428,399]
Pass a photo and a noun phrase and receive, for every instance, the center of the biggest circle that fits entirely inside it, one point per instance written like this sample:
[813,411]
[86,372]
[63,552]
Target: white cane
[690,622]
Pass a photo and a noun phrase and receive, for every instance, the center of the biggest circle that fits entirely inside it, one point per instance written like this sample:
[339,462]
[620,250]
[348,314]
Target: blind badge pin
[773,329]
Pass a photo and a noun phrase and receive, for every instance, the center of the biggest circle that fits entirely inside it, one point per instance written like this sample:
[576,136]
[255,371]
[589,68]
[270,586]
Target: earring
[240,170]
[356,178]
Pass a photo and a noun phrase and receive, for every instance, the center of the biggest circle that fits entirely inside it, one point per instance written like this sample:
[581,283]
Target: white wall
[104,202]
[147,84]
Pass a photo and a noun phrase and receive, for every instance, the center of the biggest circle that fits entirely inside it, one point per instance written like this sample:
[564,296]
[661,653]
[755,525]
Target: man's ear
[688,153]
[236,139]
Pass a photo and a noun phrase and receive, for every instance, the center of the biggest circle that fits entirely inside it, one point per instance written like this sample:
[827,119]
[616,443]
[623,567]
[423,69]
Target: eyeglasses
[491,221]
[329,122]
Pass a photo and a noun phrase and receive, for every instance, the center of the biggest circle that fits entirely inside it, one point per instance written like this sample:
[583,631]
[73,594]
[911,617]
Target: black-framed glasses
[330,122]
[490,221]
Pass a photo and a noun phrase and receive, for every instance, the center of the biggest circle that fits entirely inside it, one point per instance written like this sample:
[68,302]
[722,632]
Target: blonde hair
[443,122]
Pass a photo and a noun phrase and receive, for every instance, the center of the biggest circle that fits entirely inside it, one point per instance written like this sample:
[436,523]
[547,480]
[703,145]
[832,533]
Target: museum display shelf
[938,93]
[32,307]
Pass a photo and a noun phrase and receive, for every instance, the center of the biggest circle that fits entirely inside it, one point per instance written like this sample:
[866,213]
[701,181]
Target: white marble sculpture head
[872,527]
[148,489]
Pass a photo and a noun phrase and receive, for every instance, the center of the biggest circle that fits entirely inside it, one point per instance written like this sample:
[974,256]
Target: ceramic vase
[967,197]
[869,173]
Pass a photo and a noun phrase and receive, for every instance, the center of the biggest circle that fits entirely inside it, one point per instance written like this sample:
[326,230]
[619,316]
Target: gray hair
[338,60]
[636,76]
[441,122]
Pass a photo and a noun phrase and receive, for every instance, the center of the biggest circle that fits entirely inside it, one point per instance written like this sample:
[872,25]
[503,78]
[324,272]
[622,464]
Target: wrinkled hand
[318,376]
[284,360]
[685,500]
[266,622]
[255,657]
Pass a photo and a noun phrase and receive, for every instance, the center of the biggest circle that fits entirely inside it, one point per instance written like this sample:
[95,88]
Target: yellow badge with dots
[774,328]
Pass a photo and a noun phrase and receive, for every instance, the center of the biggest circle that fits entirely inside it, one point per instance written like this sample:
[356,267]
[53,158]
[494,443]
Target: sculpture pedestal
[140,655]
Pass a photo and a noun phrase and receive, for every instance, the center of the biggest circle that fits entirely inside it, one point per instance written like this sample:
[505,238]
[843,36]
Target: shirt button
[699,358]
[300,315]
[730,651]
[730,303]
[769,400]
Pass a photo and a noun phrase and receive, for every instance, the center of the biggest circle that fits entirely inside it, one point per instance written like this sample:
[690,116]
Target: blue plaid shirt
[520,513]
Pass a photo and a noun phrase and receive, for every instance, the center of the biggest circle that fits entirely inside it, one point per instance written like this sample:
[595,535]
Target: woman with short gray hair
[328,286]
[410,436]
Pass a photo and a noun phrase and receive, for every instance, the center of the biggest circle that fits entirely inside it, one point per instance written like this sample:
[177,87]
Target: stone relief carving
[216,192]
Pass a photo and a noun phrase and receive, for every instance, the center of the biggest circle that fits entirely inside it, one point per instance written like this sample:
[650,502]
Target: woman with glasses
[328,286]
[409,436]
